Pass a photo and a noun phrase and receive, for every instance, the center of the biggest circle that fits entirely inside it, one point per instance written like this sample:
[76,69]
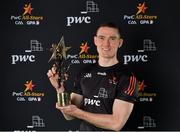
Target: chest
[99,85]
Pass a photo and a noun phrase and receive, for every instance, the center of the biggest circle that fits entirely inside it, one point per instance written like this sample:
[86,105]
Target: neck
[106,62]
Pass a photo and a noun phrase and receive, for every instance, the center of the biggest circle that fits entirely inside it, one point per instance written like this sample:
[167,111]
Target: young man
[103,93]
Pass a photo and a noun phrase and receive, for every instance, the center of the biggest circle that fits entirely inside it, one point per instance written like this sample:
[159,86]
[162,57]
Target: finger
[53,69]
[62,84]
[49,74]
[66,76]
[59,107]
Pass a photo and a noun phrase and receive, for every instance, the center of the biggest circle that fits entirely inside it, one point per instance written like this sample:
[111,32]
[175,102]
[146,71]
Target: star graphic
[141,86]
[84,48]
[29,86]
[27,9]
[59,50]
[141,8]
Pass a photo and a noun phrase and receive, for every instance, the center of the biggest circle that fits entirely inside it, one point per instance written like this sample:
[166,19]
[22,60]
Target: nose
[106,43]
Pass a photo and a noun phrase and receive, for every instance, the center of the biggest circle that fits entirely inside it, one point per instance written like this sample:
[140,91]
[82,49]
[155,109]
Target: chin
[108,56]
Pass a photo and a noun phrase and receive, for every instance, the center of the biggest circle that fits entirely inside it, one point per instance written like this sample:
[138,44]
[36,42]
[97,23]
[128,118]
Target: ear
[120,43]
[95,40]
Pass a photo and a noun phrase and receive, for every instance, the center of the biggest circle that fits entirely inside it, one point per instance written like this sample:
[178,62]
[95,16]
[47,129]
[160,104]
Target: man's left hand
[69,110]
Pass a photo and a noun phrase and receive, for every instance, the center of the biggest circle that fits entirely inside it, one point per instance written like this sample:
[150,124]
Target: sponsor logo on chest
[91,102]
[102,93]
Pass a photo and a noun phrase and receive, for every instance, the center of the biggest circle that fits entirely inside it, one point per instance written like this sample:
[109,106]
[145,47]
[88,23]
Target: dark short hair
[110,25]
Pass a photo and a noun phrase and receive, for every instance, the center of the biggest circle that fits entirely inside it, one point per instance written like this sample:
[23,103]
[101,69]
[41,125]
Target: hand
[69,110]
[53,77]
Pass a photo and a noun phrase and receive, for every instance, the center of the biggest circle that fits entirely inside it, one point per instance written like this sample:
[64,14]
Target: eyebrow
[106,36]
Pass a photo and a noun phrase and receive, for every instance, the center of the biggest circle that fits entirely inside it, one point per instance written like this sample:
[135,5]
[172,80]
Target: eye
[113,38]
[101,37]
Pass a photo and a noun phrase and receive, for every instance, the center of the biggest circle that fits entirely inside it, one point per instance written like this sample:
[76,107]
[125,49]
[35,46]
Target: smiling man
[104,93]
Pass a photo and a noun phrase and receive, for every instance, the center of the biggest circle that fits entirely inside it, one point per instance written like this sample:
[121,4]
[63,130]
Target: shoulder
[127,85]
[125,76]
[123,71]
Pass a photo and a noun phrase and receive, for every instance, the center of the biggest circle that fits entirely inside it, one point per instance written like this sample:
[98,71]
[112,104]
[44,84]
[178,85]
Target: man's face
[107,41]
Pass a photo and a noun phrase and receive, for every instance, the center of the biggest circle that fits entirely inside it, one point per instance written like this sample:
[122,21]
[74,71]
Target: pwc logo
[102,93]
[135,58]
[91,7]
[142,57]
[78,20]
[22,58]
[27,57]
[91,102]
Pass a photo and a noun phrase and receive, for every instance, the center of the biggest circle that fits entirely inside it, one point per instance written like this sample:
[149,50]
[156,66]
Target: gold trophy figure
[59,56]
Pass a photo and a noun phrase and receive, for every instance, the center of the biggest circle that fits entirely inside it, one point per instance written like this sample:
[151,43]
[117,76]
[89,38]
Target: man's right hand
[53,78]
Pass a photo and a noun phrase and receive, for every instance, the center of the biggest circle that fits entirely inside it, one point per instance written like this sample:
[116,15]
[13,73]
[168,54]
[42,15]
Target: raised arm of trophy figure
[64,49]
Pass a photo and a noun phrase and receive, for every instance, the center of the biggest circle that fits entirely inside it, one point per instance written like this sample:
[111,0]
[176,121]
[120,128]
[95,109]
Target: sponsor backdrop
[150,50]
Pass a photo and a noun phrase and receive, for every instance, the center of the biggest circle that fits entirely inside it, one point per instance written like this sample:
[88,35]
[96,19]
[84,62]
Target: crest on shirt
[113,80]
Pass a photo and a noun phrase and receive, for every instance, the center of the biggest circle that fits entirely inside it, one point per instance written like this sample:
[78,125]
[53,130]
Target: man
[104,93]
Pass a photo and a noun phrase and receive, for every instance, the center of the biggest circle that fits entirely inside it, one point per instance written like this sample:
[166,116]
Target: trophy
[59,56]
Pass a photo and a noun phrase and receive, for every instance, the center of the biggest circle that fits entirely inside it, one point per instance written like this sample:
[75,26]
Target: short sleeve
[127,89]
[77,86]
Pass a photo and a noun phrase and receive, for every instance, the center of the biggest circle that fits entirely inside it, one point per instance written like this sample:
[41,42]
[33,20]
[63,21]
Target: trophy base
[63,99]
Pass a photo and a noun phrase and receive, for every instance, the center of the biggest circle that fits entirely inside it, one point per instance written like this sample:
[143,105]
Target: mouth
[106,49]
